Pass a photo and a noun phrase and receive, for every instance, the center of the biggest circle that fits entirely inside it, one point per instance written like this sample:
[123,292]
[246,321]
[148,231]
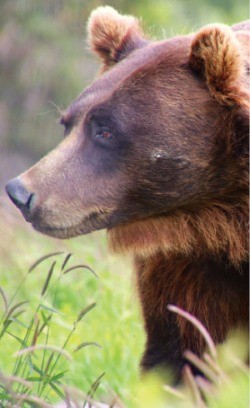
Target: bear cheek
[165,184]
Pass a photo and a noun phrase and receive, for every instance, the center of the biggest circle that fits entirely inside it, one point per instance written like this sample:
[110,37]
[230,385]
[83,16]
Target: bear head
[163,130]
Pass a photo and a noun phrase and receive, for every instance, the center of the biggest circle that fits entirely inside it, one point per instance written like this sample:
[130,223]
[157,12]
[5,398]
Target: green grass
[95,349]
[114,323]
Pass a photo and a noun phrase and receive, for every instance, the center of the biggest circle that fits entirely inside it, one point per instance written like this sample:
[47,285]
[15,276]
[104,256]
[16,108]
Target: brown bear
[156,152]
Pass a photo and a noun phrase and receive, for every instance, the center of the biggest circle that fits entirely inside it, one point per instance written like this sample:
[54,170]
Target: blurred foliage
[56,298]
[114,323]
[44,61]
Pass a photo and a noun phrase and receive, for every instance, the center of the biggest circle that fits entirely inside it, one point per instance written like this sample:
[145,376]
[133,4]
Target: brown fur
[170,254]
[157,153]
[111,35]
[195,285]
[218,229]
[216,52]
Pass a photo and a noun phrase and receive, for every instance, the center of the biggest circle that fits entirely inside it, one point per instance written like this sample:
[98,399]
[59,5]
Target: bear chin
[93,222]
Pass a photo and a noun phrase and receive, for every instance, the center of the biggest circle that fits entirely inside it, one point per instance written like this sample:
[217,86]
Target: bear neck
[218,230]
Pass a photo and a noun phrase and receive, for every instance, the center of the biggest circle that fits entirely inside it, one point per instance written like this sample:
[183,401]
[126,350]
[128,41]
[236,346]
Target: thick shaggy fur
[218,230]
[157,153]
[197,261]
[217,53]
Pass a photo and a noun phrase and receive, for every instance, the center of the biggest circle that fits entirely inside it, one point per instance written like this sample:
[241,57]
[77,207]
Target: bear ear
[113,36]
[217,56]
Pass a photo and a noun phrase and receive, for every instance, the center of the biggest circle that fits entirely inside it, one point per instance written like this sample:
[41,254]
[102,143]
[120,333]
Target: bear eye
[103,135]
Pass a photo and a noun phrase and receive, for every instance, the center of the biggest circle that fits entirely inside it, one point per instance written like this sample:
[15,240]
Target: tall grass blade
[33,401]
[50,309]
[213,364]
[198,325]
[36,369]
[16,306]
[5,299]
[22,342]
[8,320]
[93,389]
[49,361]
[46,319]
[190,381]
[66,260]
[57,390]
[35,336]
[19,361]
[17,321]
[85,344]
[58,376]
[46,284]
[85,311]
[43,258]
[13,379]
[202,366]
[81,267]
[32,349]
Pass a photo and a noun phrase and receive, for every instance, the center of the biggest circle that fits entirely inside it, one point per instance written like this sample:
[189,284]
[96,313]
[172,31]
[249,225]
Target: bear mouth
[93,222]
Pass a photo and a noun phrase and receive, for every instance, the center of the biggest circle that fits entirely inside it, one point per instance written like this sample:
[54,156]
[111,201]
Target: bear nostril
[19,195]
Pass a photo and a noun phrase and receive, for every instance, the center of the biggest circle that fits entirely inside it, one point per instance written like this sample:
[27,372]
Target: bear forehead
[172,53]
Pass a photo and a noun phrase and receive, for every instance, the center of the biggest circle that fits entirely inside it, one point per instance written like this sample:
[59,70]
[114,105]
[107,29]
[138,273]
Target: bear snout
[22,198]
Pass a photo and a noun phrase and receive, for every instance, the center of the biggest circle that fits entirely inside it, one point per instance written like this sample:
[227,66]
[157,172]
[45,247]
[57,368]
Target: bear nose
[19,195]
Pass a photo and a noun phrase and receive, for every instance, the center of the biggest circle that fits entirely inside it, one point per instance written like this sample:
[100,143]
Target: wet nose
[19,195]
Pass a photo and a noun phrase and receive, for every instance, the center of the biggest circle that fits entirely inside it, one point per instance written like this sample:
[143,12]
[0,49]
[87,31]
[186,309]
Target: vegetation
[44,64]
[114,323]
[58,345]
